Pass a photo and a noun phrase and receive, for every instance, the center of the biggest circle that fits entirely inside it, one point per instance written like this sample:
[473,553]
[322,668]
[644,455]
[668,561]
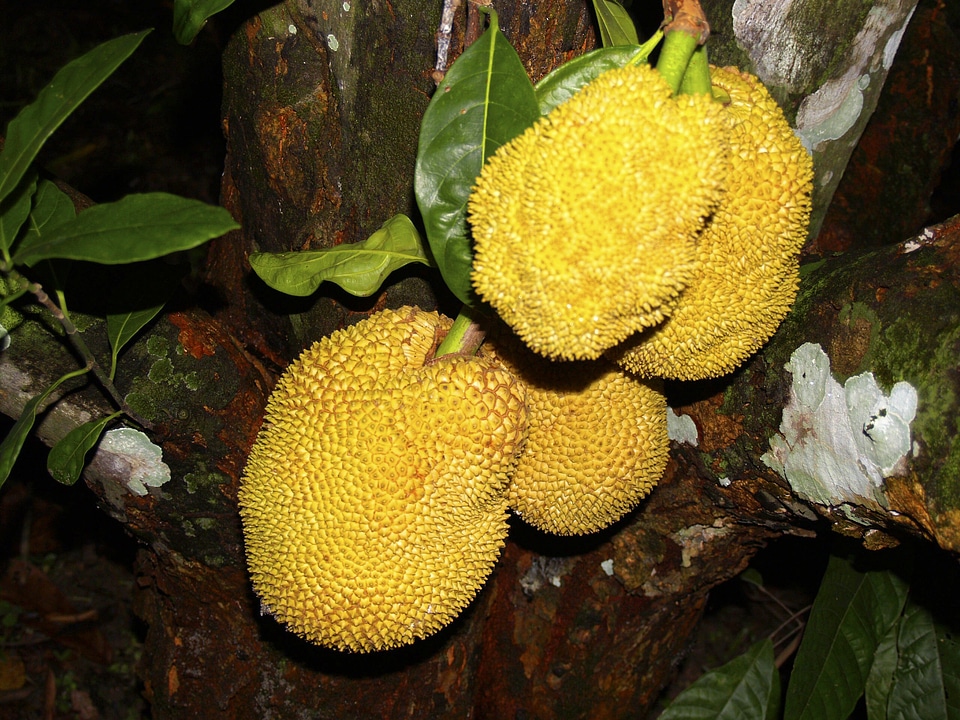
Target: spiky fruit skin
[597,442]
[373,500]
[747,271]
[584,225]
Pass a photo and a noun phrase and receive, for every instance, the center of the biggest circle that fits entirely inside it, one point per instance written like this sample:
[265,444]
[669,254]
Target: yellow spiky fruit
[747,271]
[597,441]
[373,500]
[584,225]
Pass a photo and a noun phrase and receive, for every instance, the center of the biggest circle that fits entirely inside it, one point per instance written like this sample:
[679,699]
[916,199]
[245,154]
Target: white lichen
[837,444]
[137,460]
[607,567]
[835,108]
[543,571]
[681,428]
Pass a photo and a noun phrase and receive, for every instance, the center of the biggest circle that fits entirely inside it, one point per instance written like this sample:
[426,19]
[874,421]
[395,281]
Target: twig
[73,335]
[444,38]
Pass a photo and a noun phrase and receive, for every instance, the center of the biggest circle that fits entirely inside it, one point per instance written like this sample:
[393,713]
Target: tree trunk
[321,112]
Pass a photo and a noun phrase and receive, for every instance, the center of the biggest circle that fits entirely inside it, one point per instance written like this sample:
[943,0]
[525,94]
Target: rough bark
[321,147]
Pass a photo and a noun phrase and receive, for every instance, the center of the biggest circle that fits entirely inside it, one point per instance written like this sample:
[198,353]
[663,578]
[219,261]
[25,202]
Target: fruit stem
[465,336]
[678,48]
[696,80]
[685,27]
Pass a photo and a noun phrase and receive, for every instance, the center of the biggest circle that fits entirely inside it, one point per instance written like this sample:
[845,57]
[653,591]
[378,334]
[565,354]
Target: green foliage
[485,100]
[31,128]
[132,229]
[38,222]
[359,268]
[189,16]
[13,442]
[66,459]
[853,611]
[866,638]
[568,79]
[616,27]
[123,327]
[920,675]
[746,687]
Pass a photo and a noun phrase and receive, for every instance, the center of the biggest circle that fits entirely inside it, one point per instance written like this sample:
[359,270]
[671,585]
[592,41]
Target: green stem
[644,52]
[465,336]
[678,48]
[73,335]
[696,80]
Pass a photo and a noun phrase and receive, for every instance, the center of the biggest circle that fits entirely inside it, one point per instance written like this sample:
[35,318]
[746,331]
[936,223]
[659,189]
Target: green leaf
[51,208]
[15,210]
[122,327]
[616,27]
[29,130]
[132,229]
[66,459]
[568,79]
[877,689]
[13,442]
[485,100]
[746,687]
[359,268]
[926,682]
[190,15]
[853,611]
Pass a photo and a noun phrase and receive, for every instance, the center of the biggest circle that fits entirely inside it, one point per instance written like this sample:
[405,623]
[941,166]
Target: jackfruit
[747,270]
[372,501]
[584,226]
[597,441]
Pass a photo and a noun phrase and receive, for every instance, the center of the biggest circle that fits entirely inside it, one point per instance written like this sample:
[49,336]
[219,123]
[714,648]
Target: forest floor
[69,640]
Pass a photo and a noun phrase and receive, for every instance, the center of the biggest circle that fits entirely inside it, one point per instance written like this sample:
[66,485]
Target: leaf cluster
[866,638]
[39,224]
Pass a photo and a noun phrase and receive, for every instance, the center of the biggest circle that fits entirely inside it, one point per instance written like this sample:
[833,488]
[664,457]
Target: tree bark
[321,111]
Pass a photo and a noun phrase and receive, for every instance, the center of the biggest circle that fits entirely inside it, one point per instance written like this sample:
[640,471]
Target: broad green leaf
[122,327]
[33,125]
[926,682]
[877,689]
[616,27]
[359,268]
[568,79]
[485,100]
[190,15]
[51,208]
[852,613]
[66,459]
[132,229]
[746,687]
[13,442]
[14,211]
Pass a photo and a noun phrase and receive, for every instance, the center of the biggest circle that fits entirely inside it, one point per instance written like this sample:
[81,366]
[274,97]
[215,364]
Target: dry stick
[81,347]
[445,31]
[444,37]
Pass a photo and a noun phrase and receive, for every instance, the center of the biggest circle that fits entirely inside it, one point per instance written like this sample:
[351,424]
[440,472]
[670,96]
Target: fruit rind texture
[584,226]
[747,258]
[373,500]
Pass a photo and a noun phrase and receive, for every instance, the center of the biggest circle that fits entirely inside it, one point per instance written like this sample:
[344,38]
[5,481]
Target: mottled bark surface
[321,112]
